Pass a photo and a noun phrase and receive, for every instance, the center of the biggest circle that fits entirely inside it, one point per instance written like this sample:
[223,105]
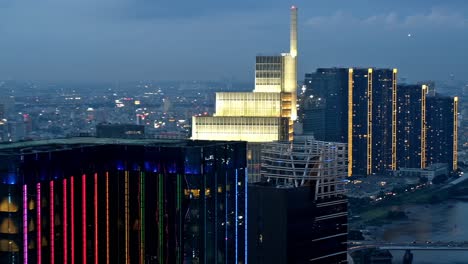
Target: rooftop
[67,143]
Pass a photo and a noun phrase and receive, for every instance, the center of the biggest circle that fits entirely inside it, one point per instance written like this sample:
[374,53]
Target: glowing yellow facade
[251,129]
[248,104]
[394,120]
[350,121]
[423,126]
[369,122]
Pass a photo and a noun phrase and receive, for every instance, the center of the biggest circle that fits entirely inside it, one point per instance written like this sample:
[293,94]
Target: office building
[97,200]
[308,222]
[411,126]
[325,104]
[442,130]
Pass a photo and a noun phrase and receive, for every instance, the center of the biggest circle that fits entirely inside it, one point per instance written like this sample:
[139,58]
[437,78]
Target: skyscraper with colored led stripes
[89,200]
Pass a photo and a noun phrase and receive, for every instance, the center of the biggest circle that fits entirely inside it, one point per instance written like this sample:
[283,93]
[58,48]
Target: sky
[108,40]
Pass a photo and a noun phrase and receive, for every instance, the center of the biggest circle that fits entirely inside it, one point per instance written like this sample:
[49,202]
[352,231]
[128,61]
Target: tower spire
[293,33]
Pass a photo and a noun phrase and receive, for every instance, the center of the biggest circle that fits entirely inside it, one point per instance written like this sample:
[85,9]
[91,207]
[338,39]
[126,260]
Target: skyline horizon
[202,41]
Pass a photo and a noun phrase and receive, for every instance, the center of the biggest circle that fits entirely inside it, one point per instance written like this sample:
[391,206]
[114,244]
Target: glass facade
[325,104]
[411,126]
[442,130]
[170,202]
[269,74]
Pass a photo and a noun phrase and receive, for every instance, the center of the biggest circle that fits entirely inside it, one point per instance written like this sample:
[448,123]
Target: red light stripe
[72,211]
[38,222]
[83,215]
[65,220]
[107,219]
[96,218]
[25,224]
[52,223]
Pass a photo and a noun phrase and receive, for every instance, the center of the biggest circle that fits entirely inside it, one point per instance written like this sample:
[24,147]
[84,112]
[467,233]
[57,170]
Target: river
[442,222]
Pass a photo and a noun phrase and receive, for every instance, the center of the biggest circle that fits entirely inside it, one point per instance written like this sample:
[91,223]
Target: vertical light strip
[369,121]
[394,119]
[25,224]
[142,218]
[226,235]
[161,217]
[65,223]
[83,216]
[72,218]
[127,220]
[455,133]
[423,126]
[38,222]
[350,122]
[95,218]
[245,217]
[107,219]
[52,222]
[179,220]
[236,221]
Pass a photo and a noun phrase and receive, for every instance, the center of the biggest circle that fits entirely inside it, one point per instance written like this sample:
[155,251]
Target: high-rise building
[442,130]
[264,115]
[371,115]
[305,183]
[411,126]
[100,200]
[324,105]
[357,106]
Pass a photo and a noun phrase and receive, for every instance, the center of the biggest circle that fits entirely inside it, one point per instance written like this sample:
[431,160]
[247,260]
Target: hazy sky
[215,39]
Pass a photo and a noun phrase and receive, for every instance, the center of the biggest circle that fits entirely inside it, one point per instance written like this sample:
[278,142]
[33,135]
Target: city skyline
[133,40]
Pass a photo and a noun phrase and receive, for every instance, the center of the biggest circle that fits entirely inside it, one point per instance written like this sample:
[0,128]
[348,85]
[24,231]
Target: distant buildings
[120,131]
[386,127]
[97,200]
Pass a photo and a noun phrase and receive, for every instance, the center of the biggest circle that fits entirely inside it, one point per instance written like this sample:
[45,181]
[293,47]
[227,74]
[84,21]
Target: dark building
[411,126]
[356,106]
[300,214]
[93,200]
[325,104]
[372,143]
[289,225]
[442,138]
[129,131]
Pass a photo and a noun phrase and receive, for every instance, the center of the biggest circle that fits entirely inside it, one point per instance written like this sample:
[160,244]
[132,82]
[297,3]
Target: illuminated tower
[411,126]
[372,118]
[267,114]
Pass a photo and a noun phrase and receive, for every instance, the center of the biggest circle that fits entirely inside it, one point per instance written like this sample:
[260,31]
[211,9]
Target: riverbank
[427,223]
[365,212]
